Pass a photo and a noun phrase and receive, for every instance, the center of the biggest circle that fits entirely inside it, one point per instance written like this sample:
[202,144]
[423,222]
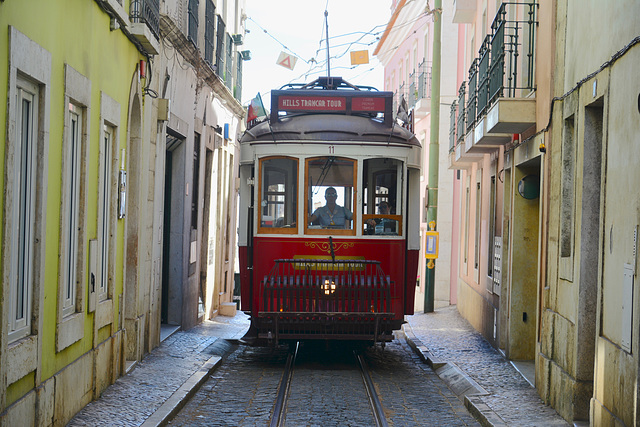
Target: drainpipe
[434,152]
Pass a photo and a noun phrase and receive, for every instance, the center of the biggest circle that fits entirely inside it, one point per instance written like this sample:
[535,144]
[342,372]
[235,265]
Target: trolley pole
[434,151]
[326,24]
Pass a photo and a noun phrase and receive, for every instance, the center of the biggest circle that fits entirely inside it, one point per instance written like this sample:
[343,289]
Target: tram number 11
[332,149]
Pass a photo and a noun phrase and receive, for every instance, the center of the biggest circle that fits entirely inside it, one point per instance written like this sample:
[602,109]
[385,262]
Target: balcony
[420,90]
[459,139]
[464,11]
[402,92]
[145,23]
[511,90]
[501,90]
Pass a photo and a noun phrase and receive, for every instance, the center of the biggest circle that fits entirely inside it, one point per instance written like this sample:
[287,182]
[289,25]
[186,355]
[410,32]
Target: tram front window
[278,201]
[330,183]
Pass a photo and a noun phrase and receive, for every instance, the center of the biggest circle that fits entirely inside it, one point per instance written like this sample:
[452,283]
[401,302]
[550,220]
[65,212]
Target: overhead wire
[316,66]
[277,41]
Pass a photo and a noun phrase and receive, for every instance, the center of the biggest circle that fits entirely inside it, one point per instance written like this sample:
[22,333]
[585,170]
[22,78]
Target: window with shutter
[209,32]
[229,65]
[193,21]
[220,53]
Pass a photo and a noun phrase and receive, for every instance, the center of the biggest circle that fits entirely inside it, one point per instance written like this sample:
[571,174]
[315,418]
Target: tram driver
[331,215]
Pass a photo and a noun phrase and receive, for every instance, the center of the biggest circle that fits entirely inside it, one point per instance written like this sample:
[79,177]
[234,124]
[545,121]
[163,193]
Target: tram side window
[278,199]
[382,194]
[330,187]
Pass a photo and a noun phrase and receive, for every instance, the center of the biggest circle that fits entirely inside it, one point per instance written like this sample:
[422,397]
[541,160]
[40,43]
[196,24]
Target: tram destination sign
[312,103]
[330,103]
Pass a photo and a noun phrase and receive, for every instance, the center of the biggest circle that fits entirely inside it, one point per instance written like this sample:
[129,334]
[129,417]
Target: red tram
[329,216]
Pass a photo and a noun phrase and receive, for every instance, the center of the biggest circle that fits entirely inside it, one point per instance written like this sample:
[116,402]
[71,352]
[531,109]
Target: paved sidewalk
[490,386]
[158,386]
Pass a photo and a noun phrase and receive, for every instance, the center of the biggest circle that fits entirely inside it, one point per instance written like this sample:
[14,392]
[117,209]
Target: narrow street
[326,389]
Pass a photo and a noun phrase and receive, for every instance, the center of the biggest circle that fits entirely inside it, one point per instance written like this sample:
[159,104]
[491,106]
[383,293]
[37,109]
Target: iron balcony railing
[512,50]
[420,84]
[452,126]
[413,89]
[483,76]
[504,66]
[472,101]
[461,126]
[147,11]
[399,94]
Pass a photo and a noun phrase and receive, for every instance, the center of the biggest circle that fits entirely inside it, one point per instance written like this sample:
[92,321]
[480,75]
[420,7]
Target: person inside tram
[331,215]
[380,225]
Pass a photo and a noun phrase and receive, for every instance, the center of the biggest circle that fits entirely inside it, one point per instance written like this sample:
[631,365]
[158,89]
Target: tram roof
[322,127]
[330,109]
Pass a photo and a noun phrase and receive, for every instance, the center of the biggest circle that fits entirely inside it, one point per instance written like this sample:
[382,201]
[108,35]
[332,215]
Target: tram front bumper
[326,325]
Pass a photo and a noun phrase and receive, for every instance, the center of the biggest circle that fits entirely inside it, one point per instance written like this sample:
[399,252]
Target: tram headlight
[329,286]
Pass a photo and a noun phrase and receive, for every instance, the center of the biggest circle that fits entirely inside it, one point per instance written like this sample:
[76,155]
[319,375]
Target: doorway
[172,266]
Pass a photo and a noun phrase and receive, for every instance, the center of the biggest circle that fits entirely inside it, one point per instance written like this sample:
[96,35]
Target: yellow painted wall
[75,32]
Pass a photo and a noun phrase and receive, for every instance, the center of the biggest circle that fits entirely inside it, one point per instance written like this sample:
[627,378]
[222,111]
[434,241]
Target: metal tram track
[374,401]
[279,410]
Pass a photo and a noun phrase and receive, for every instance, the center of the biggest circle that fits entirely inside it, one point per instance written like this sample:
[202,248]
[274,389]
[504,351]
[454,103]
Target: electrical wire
[147,90]
[277,41]
[316,67]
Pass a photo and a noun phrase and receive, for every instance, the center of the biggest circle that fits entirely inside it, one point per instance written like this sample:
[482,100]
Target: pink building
[406,51]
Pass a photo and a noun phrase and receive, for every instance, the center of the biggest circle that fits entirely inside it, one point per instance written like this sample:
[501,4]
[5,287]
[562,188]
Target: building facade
[406,51]
[587,366]
[542,135]
[504,82]
[118,166]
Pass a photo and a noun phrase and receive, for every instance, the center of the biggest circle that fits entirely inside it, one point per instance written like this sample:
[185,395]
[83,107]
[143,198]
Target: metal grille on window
[238,86]
[220,53]
[229,71]
[193,21]
[209,31]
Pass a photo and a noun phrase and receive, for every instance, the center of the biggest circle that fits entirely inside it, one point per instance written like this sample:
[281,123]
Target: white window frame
[23,212]
[73,244]
[69,218]
[104,209]
[20,351]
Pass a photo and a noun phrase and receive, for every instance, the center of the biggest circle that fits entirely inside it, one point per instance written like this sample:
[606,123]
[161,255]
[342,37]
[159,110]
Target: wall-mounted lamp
[542,147]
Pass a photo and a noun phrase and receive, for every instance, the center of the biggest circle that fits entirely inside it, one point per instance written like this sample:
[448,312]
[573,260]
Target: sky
[297,27]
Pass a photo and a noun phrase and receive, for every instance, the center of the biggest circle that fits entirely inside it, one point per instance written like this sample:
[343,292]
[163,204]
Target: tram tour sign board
[312,103]
[330,103]
[300,101]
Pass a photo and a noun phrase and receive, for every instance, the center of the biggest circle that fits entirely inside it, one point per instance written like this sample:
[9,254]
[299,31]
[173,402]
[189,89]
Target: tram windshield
[278,201]
[330,183]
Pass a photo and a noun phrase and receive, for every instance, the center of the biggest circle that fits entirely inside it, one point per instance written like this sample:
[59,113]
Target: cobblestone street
[326,390]
[243,382]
